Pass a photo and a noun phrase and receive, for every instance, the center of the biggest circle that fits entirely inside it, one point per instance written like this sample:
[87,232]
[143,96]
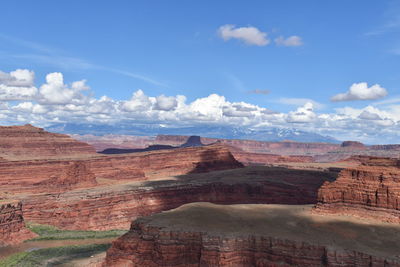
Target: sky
[330,67]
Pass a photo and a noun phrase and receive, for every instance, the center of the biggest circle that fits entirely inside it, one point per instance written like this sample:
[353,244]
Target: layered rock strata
[23,142]
[115,206]
[75,175]
[12,225]
[281,148]
[29,175]
[204,234]
[370,190]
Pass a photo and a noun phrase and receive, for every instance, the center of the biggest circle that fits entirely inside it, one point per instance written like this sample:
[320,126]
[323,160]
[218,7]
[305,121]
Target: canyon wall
[31,175]
[200,234]
[153,247]
[115,206]
[280,148]
[114,141]
[23,142]
[370,190]
[12,225]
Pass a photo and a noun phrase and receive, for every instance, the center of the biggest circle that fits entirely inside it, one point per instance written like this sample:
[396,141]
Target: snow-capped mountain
[227,132]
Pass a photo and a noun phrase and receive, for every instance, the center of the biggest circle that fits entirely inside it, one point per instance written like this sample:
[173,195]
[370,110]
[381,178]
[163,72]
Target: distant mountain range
[227,132]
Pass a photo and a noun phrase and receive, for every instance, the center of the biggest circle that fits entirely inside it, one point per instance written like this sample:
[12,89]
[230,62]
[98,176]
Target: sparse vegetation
[52,256]
[48,232]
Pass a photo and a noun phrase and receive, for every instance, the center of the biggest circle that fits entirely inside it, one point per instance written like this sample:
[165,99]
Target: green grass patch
[52,256]
[48,232]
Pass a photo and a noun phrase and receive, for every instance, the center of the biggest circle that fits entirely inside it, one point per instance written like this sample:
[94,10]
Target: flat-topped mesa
[370,190]
[30,175]
[353,145]
[114,206]
[23,142]
[12,225]
[252,146]
[204,234]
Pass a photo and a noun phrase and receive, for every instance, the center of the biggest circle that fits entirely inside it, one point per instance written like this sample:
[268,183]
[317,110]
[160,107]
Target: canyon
[115,206]
[205,234]
[194,201]
[252,151]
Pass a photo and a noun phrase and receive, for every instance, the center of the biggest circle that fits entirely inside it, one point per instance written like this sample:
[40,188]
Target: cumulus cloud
[290,41]
[138,102]
[165,103]
[17,85]
[367,115]
[58,102]
[299,102]
[303,114]
[249,35]
[361,91]
[54,91]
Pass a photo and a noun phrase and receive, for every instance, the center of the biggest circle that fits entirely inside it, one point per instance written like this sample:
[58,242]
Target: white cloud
[138,102]
[59,102]
[299,102]
[249,35]
[290,41]
[361,91]
[17,85]
[367,115]
[54,91]
[165,103]
[303,114]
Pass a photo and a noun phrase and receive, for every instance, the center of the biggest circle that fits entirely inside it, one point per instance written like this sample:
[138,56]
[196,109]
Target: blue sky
[197,49]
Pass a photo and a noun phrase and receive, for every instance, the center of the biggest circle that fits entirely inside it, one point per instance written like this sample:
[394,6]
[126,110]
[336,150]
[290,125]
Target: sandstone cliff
[12,225]
[30,175]
[75,175]
[280,148]
[202,234]
[370,190]
[26,141]
[115,206]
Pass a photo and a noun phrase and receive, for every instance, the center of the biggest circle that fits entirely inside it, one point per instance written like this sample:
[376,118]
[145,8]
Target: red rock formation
[12,225]
[199,235]
[75,175]
[114,207]
[353,145]
[369,190]
[114,141]
[386,147]
[280,148]
[31,142]
[27,176]
[261,158]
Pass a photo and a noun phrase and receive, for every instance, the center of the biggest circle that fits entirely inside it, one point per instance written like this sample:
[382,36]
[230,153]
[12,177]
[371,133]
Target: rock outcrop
[103,142]
[22,142]
[265,159]
[115,206]
[203,234]
[30,175]
[12,225]
[75,175]
[280,148]
[370,190]
[353,145]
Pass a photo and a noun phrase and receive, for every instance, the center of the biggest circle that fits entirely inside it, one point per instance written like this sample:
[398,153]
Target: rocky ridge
[23,142]
[12,225]
[204,234]
[371,190]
